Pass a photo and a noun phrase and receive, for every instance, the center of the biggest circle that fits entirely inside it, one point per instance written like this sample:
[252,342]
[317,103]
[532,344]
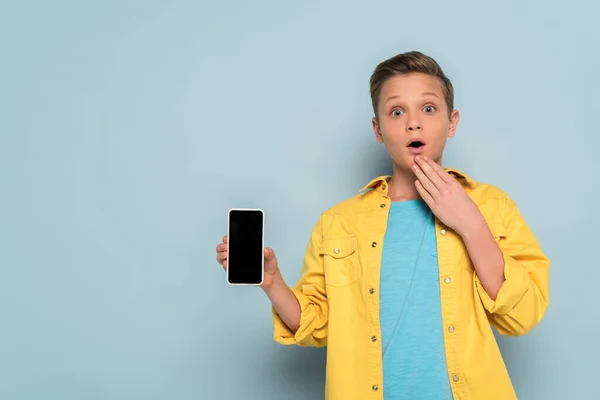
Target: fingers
[222,253]
[221,247]
[221,256]
[223,263]
[424,181]
[428,170]
[442,173]
[424,193]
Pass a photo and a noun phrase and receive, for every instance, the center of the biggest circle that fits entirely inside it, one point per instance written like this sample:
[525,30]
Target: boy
[403,282]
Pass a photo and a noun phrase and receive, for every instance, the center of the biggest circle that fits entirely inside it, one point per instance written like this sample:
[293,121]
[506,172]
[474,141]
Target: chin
[411,157]
[405,164]
[408,161]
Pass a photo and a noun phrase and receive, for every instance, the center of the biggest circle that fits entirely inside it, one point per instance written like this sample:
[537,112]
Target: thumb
[269,254]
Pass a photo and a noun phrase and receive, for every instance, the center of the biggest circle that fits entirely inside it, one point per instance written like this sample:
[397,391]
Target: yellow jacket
[338,294]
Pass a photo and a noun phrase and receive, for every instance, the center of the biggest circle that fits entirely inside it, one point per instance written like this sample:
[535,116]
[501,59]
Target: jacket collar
[382,180]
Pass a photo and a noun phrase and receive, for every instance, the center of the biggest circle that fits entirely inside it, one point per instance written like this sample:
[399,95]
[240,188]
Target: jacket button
[371,291]
[382,205]
[373,339]
[455,378]
[375,387]
[374,244]
[443,231]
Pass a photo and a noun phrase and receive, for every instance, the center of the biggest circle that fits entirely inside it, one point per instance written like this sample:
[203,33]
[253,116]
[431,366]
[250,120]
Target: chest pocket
[340,260]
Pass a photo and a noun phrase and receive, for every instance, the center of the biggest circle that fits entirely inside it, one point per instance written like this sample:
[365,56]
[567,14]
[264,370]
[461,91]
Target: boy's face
[412,107]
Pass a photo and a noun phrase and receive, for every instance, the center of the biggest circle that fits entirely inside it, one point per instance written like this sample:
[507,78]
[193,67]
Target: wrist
[273,282]
[476,227]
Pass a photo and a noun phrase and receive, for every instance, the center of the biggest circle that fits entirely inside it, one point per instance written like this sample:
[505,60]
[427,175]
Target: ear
[454,118]
[377,130]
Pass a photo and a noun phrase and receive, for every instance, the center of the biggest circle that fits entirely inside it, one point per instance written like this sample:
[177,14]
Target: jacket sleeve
[312,297]
[523,297]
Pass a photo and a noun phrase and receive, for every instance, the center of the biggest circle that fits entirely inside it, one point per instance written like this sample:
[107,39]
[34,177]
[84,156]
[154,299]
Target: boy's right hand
[271,266]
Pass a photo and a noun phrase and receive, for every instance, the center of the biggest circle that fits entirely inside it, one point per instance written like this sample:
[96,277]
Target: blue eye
[429,109]
[396,112]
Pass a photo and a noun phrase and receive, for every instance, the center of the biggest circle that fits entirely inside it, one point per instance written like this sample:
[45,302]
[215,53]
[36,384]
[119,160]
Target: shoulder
[488,197]
[366,199]
[353,205]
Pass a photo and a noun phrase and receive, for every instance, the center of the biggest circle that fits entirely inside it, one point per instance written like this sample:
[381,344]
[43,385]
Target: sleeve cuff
[308,315]
[516,284]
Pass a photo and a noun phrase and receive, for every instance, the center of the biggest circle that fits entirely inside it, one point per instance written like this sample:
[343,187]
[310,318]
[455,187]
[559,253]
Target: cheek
[439,130]
[443,125]
[393,140]
[438,146]
[393,129]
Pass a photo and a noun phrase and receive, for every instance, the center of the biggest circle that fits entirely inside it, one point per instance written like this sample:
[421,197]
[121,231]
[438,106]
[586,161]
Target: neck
[402,185]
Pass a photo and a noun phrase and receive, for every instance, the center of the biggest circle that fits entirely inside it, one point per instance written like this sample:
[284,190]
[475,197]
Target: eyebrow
[423,94]
[430,94]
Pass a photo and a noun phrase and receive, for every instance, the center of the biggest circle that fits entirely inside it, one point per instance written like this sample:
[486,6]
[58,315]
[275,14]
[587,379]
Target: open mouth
[416,144]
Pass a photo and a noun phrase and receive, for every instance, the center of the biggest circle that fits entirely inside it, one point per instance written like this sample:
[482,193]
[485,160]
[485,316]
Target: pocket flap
[338,247]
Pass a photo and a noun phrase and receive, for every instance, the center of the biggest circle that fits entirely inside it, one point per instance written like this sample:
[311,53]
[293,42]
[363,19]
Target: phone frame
[262,267]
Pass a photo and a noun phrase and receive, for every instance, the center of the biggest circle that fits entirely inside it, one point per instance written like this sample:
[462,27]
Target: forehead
[411,85]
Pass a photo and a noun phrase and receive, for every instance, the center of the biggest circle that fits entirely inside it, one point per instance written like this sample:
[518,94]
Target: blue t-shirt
[414,362]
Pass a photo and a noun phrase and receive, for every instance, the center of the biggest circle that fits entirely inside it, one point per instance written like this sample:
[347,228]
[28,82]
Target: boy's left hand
[445,197]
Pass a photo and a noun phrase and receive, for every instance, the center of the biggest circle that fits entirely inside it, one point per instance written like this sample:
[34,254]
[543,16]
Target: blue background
[129,128]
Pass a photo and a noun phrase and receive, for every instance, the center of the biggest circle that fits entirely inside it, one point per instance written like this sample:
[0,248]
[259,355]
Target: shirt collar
[381,181]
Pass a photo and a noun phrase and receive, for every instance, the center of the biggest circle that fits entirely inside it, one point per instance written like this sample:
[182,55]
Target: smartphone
[245,250]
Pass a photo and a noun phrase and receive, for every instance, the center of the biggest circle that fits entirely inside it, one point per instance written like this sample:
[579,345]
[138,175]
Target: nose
[413,124]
